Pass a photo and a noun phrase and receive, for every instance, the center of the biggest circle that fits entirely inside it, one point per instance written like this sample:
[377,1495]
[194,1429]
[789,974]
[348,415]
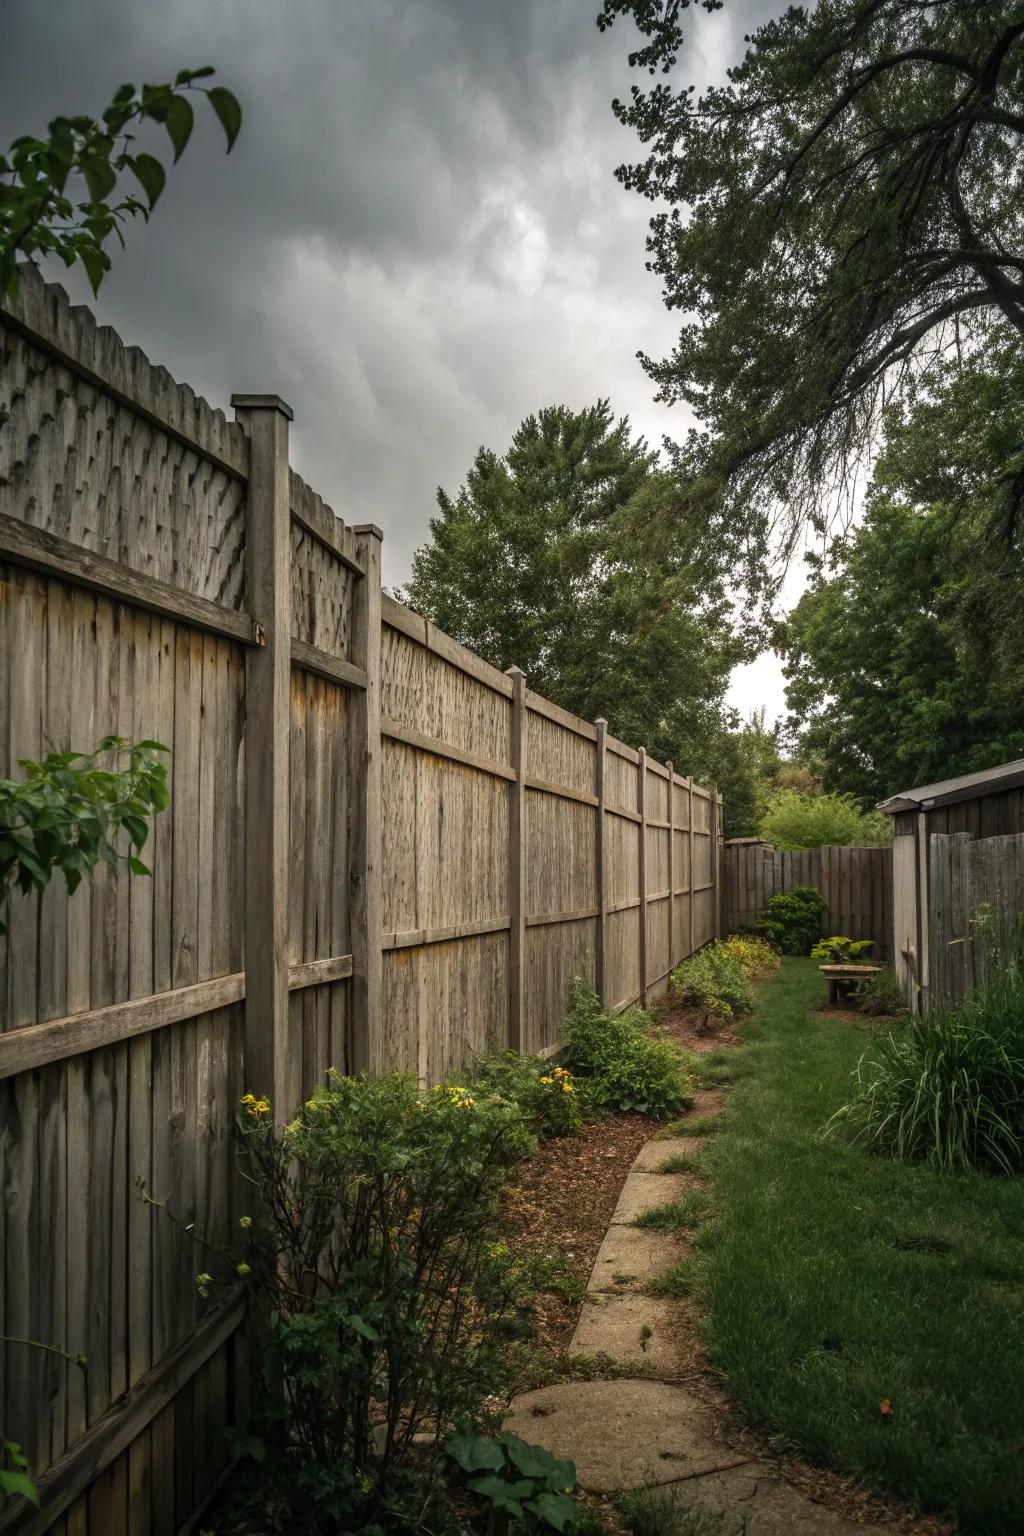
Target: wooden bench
[843,978]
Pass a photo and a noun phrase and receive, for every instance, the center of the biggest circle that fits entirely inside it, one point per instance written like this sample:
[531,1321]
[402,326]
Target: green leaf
[100,178]
[19,1482]
[179,121]
[364,1329]
[555,1509]
[95,264]
[475,1454]
[150,175]
[138,868]
[228,110]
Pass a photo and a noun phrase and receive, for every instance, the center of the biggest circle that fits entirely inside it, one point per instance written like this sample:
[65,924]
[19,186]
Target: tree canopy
[903,657]
[552,557]
[847,207]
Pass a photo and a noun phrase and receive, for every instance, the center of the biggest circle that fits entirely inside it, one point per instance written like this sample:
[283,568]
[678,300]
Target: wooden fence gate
[855,884]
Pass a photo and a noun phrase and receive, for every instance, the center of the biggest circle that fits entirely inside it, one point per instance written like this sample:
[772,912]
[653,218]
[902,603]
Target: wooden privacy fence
[379,853]
[964,873]
[855,884]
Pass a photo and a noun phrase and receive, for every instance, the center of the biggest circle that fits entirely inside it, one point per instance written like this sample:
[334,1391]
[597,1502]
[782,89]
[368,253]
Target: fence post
[270,1066]
[641,805]
[689,791]
[366,850]
[715,872]
[516,862]
[600,959]
[671,864]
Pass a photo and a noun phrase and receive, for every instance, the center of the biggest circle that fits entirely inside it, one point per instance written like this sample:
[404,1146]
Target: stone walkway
[650,1430]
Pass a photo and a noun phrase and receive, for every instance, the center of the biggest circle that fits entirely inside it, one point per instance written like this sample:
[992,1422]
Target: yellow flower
[245,1221]
[248,1098]
[243,1269]
[311,1104]
[547,1080]
[568,1088]
[203,1283]
[258,1107]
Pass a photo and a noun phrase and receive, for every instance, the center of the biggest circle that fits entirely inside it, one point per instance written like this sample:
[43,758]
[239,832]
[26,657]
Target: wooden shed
[981,805]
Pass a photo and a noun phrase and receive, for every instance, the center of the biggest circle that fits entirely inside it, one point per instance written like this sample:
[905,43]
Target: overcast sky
[417,240]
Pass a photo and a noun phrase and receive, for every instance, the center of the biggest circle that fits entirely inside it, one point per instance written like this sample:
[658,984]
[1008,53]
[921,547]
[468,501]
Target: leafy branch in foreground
[67,812]
[846,207]
[39,213]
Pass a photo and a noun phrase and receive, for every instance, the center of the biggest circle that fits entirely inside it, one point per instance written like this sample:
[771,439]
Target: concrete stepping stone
[632,1329]
[642,1190]
[622,1434]
[754,1501]
[653,1153]
[635,1256]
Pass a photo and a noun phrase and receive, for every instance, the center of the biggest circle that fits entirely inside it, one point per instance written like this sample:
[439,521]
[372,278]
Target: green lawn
[832,1279]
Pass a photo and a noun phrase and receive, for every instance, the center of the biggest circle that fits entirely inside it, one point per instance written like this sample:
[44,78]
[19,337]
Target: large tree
[847,206]
[903,658]
[554,557]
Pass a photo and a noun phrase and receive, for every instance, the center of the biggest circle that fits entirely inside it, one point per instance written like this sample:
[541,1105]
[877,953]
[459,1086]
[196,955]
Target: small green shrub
[948,1089]
[757,957]
[881,994]
[523,1487]
[792,920]
[390,1301]
[627,1064]
[713,979]
[554,1101]
[840,951]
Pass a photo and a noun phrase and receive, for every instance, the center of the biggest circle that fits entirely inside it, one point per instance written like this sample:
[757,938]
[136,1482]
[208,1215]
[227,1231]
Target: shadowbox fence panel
[379,853]
[855,884]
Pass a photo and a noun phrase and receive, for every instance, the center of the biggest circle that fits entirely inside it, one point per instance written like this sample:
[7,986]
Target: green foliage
[563,557]
[901,661]
[552,1099]
[713,979]
[680,1162]
[843,207]
[14,1477]
[795,819]
[948,1089]
[840,951]
[524,1487]
[663,1512]
[881,994]
[791,920]
[756,956]
[391,1301]
[628,1064]
[67,812]
[59,195]
[691,1125]
[676,1215]
[674,1282]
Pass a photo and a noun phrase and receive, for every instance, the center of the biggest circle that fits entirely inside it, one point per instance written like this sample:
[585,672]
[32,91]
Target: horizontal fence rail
[379,853]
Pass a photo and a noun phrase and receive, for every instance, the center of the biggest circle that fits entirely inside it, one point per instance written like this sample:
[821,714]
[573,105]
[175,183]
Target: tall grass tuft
[948,1089]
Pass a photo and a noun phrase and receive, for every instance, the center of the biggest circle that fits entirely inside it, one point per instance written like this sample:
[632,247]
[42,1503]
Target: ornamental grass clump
[390,1301]
[948,1089]
[626,1062]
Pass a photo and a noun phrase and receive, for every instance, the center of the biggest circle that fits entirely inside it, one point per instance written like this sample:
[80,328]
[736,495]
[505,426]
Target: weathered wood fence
[379,853]
[855,884]
[965,873]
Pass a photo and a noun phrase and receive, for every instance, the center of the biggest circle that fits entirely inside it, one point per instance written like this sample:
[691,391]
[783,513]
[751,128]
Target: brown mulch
[564,1205]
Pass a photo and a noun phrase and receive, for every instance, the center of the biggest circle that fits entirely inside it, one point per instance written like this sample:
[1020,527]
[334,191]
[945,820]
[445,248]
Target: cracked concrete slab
[632,1329]
[634,1255]
[753,1501]
[621,1434]
[642,1190]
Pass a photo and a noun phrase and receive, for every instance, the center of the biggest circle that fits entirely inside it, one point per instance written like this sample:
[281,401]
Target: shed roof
[925,797]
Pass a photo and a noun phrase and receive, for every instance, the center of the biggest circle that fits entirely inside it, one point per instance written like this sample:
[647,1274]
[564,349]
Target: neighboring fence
[964,873]
[379,852]
[855,884]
